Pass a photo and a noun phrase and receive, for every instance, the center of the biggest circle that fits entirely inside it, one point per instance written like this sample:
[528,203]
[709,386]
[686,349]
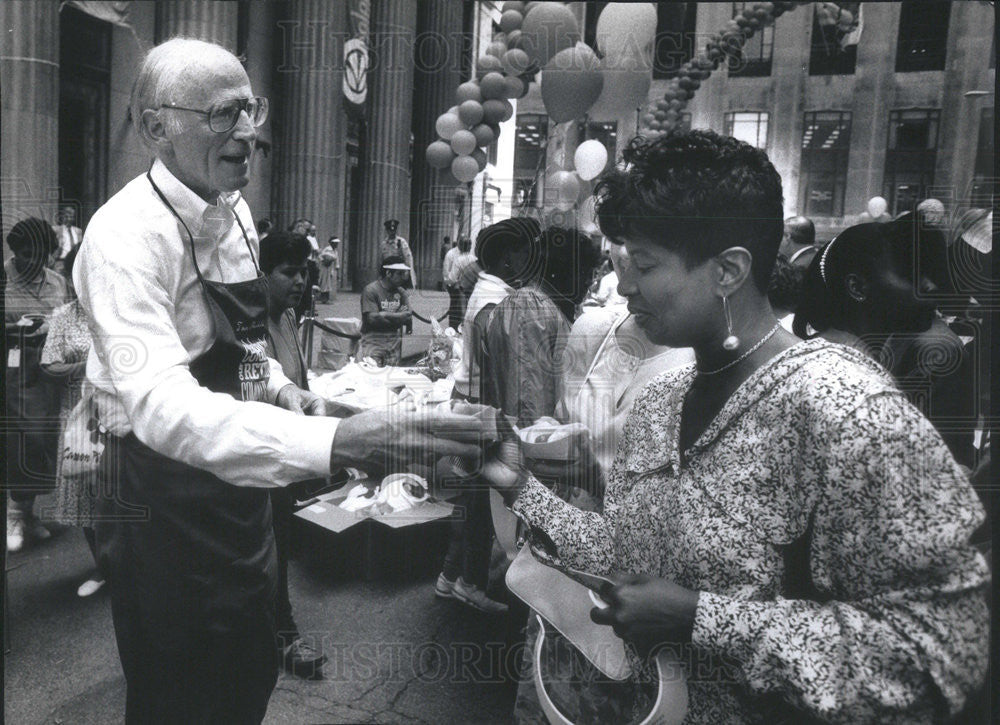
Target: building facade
[903,110]
[355,87]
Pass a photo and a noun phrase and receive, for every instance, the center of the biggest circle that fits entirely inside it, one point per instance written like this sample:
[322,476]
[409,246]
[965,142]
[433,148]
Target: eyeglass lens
[224,117]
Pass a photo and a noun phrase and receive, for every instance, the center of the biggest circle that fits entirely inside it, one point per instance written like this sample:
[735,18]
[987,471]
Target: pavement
[397,653]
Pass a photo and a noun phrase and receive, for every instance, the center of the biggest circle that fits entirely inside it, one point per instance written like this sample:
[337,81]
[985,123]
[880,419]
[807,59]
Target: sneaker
[476,598]
[15,534]
[444,588]
[303,661]
[91,586]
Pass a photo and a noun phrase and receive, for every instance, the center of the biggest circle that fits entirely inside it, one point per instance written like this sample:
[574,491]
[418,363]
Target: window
[604,131]
[826,139]
[756,58]
[749,126]
[675,37]
[909,157]
[923,35]
[833,51]
[529,157]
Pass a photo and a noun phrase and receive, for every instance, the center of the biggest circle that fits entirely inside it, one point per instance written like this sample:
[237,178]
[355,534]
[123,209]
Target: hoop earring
[731,342]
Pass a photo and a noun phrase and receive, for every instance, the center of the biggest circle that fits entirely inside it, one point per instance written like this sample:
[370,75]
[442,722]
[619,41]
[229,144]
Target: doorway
[84,88]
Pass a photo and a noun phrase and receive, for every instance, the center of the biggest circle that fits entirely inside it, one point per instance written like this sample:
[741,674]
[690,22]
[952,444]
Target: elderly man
[799,241]
[169,278]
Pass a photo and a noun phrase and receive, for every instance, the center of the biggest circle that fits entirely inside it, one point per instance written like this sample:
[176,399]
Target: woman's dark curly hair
[696,193]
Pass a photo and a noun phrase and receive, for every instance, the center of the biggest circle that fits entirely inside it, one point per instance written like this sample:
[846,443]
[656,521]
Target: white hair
[166,69]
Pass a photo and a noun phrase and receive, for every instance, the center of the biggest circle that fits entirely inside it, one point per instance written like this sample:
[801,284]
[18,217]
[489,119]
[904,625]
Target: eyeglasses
[223,117]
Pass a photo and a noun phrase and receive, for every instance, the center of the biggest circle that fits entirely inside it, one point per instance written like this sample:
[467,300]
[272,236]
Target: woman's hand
[505,470]
[647,611]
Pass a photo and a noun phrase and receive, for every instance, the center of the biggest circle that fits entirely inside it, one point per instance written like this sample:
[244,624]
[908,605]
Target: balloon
[864,217]
[439,154]
[625,25]
[480,157]
[470,112]
[464,168]
[515,62]
[561,189]
[513,87]
[622,92]
[508,111]
[514,40]
[488,64]
[496,49]
[547,29]
[468,91]
[447,125]
[877,206]
[484,134]
[463,142]
[510,21]
[518,6]
[492,86]
[590,159]
[571,83]
[493,111]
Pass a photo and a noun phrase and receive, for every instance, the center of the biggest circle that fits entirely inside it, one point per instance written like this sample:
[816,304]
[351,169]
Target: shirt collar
[206,221]
[495,281]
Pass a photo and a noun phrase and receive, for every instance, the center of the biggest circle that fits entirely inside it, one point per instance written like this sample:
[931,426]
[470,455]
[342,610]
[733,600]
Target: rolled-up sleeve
[134,326]
[903,635]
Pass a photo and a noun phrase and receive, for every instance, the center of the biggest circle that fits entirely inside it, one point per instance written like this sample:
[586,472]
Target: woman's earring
[731,342]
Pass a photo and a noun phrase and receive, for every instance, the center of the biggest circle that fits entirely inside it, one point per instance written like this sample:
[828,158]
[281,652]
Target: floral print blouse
[816,446]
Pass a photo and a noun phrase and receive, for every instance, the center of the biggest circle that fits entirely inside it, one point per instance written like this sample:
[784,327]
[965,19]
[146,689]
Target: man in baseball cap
[385,311]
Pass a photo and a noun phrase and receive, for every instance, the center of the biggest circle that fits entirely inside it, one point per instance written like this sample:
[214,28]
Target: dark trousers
[456,306]
[192,588]
[471,541]
[282,500]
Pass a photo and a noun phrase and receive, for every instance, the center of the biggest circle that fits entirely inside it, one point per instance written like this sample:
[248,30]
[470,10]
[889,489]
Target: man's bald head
[800,230]
[171,67]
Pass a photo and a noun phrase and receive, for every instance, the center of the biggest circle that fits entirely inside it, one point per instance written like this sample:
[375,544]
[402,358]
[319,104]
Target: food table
[380,526]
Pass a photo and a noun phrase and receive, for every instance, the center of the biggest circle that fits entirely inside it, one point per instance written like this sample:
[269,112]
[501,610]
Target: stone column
[29,76]
[212,21]
[386,185]
[439,65]
[309,123]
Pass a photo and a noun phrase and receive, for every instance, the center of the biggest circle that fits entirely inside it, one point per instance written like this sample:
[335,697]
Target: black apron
[193,586]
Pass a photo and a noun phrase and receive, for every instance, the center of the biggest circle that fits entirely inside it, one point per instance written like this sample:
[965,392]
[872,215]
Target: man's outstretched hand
[382,440]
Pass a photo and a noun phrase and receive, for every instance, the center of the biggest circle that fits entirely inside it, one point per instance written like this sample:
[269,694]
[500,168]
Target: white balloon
[590,159]
[625,24]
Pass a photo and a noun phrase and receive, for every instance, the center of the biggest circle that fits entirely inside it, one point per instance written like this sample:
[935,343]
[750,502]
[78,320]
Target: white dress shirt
[149,320]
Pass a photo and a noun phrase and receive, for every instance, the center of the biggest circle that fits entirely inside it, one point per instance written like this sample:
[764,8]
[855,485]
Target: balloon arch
[544,37]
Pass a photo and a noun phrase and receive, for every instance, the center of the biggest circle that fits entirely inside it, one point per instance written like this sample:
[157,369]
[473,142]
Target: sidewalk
[429,303]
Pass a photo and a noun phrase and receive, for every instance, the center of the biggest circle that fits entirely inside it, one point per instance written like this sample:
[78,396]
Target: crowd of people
[780,477]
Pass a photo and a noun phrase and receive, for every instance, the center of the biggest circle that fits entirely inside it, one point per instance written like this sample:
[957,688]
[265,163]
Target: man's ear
[857,287]
[152,129]
[733,267]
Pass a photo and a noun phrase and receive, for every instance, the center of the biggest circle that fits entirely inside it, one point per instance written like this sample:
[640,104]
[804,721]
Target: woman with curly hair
[778,515]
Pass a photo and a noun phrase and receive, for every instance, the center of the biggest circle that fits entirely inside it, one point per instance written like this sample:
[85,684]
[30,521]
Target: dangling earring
[731,342]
